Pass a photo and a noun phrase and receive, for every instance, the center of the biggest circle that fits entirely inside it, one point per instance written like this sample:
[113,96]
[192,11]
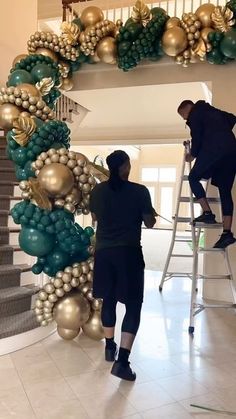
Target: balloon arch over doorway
[56,182]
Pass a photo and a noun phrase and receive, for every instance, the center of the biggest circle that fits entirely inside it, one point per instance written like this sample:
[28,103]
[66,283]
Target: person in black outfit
[213,145]
[119,207]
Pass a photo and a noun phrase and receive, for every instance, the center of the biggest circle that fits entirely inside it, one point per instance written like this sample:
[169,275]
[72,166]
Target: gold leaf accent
[45,85]
[24,127]
[39,195]
[70,33]
[200,49]
[141,12]
[98,172]
[222,18]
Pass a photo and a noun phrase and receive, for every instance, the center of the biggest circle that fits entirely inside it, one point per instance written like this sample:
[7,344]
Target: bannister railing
[122,9]
[65,108]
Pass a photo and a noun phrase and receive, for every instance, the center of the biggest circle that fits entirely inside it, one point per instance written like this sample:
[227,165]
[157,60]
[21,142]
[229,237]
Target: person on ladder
[213,145]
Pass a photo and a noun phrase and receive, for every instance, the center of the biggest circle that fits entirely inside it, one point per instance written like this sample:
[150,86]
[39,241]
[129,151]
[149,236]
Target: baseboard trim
[17,342]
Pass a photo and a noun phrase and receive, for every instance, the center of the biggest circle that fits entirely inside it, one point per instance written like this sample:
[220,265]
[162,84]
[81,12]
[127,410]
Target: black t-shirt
[119,213]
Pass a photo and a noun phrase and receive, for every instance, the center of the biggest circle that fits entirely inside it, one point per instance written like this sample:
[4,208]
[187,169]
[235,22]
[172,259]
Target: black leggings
[131,319]
[225,183]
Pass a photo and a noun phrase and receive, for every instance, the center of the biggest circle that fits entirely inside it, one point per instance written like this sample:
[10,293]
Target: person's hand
[155,213]
[189,158]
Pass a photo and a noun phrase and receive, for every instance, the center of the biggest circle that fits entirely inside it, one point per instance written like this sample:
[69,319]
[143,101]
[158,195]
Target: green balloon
[89,231]
[41,71]
[215,57]
[35,243]
[28,169]
[20,76]
[58,259]
[20,156]
[78,22]
[228,44]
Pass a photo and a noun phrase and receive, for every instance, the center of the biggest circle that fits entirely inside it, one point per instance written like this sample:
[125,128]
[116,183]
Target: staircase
[16,291]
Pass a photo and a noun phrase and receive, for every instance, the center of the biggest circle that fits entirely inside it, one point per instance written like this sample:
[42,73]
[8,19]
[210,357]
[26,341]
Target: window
[167,174]
[166,207]
[150,174]
[152,193]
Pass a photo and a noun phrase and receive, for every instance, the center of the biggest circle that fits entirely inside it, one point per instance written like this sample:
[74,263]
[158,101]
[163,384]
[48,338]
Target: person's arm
[196,130]
[148,212]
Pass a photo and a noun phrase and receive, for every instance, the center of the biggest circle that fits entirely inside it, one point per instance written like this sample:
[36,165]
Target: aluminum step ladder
[192,236]
[197,307]
[196,229]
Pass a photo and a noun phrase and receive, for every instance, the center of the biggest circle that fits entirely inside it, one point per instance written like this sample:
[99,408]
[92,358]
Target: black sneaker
[225,240]
[207,218]
[123,371]
[110,353]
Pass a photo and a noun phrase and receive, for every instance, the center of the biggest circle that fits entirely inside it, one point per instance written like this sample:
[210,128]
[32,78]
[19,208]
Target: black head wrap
[114,161]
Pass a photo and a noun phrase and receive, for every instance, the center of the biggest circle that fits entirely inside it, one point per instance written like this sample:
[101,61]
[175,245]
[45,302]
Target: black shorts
[119,271]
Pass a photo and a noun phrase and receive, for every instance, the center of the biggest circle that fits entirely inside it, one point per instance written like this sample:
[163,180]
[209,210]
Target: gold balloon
[72,311]
[172,22]
[56,179]
[30,89]
[67,334]
[93,328]
[204,13]
[47,53]
[67,84]
[174,41]
[205,32]
[18,59]
[8,113]
[107,50]
[91,15]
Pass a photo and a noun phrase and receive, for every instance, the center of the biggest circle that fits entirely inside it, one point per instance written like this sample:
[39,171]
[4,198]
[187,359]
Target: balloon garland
[55,182]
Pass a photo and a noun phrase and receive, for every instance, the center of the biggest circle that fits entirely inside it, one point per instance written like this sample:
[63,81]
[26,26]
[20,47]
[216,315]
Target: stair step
[7,173]
[10,275]
[6,201]
[15,300]
[5,233]
[7,187]
[7,254]
[18,323]
[6,163]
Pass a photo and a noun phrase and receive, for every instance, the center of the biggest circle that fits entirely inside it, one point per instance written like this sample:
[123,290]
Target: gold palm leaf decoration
[45,85]
[222,18]
[98,172]
[70,33]
[141,12]
[39,195]
[24,127]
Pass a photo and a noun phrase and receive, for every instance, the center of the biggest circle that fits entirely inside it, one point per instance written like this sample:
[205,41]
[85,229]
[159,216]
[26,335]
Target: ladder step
[179,273]
[211,249]
[181,256]
[182,219]
[211,200]
[183,239]
[211,226]
[215,276]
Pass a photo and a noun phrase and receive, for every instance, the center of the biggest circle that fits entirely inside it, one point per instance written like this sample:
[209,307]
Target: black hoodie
[211,131]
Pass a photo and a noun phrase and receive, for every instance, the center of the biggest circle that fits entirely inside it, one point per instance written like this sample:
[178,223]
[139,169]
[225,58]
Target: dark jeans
[131,319]
[224,171]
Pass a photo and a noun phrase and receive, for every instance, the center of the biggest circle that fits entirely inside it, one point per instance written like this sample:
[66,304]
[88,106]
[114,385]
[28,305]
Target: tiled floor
[56,379]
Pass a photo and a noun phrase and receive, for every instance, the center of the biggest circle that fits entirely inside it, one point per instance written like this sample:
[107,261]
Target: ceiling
[144,113]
